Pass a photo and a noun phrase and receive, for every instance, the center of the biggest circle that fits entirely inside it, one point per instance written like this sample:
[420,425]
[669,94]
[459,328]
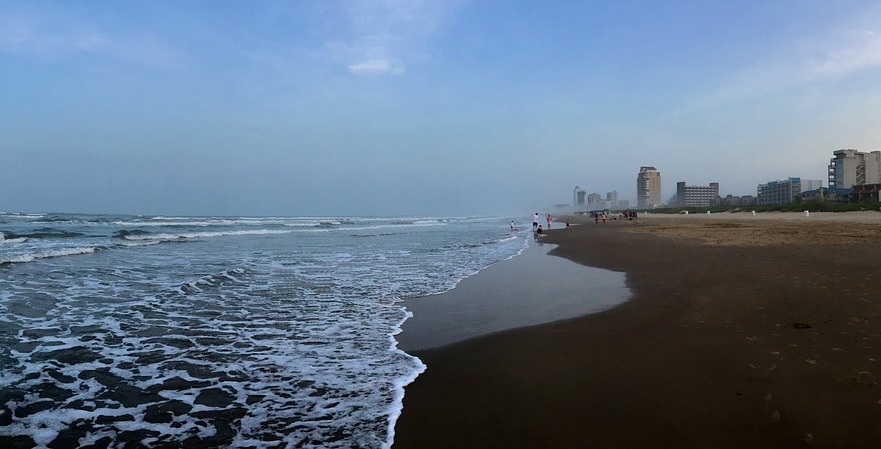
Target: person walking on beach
[567,224]
[534,221]
[549,221]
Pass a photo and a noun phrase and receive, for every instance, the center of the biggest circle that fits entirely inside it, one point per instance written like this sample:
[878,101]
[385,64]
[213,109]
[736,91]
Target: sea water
[258,332]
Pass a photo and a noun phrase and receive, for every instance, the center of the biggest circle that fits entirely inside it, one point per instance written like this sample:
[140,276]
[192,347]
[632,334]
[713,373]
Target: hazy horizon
[428,107]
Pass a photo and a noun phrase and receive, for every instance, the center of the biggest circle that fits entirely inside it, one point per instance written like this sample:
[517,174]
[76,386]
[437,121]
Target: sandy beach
[471,310]
[742,331]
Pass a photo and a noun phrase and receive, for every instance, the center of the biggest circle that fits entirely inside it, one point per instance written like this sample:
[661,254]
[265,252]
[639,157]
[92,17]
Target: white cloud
[830,55]
[59,37]
[376,67]
[384,34]
[856,51]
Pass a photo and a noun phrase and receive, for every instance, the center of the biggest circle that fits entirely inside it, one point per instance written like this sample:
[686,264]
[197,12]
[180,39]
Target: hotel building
[785,191]
[696,196]
[648,188]
[849,168]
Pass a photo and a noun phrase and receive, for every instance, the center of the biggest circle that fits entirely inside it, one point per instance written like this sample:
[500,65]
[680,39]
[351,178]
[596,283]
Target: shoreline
[725,343]
[528,289]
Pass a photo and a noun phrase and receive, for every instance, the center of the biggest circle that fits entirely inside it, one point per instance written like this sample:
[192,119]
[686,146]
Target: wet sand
[550,292]
[742,331]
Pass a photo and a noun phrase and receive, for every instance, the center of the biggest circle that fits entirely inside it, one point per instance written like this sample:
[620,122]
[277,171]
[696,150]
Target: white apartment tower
[849,168]
[648,188]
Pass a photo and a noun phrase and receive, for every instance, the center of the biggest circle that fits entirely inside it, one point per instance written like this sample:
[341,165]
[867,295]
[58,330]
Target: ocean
[241,332]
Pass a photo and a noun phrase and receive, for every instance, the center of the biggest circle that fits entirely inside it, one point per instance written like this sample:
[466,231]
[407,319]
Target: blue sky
[424,106]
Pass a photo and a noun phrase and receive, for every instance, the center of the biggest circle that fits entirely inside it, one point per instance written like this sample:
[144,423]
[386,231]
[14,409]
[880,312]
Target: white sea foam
[293,328]
[207,234]
[397,405]
[3,239]
[30,257]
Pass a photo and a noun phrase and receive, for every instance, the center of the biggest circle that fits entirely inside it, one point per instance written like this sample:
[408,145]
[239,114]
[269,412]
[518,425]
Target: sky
[437,107]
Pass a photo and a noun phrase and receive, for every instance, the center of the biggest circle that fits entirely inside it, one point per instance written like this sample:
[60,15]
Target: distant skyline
[447,107]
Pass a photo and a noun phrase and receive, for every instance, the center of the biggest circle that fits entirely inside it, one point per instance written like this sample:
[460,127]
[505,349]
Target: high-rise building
[785,191]
[578,199]
[648,188]
[612,199]
[594,201]
[849,168]
[696,196]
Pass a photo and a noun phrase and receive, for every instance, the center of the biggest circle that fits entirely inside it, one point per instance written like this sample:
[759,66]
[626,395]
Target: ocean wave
[123,233]
[215,281]
[56,218]
[300,340]
[21,215]
[179,223]
[205,222]
[30,257]
[207,234]
[42,233]
[431,222]
[11,238]
[137,243]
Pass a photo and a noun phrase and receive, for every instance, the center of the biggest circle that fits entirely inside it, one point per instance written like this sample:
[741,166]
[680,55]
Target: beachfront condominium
[785,191]
[849,168]
[696,196]
[648,188]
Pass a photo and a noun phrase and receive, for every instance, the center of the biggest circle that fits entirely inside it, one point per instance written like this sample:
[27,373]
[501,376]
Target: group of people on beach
[604,215]
[537,230]
[536,227]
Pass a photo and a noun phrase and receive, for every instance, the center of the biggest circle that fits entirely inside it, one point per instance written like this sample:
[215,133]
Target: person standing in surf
[534,222]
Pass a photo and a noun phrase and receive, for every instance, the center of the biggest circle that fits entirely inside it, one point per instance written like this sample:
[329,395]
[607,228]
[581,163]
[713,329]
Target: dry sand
[743,331]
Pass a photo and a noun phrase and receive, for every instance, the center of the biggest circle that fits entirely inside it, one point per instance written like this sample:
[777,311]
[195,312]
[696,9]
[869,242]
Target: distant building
[785,191]
[648,188]
[696,196]
[746,200]
[612,199]
[866,193]
[595,201]
[811,184]
[731,200]
[826,194]
[578,199]
[849,168]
